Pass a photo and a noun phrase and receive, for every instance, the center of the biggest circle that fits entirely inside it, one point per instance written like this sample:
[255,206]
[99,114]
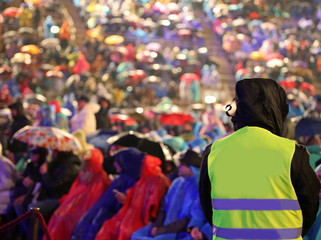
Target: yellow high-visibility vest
[251,189]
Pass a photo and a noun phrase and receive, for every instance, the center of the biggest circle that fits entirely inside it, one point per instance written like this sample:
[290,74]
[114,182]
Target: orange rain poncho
[85,191]
[142,202]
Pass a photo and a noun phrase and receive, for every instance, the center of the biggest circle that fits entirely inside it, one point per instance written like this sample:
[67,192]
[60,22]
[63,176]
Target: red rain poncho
[142,202]
[85,191]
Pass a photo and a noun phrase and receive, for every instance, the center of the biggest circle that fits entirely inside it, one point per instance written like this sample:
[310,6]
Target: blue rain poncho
[177,204]
[107,206]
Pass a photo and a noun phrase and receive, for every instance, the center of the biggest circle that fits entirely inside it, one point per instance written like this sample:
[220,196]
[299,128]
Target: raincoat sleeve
[160,215]
[174,227]
[197,216]
[306,186]
[205,187]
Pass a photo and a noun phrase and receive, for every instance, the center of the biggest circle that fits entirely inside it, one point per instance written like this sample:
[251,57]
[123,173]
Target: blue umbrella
[98,139]
[255,23]
[308,127]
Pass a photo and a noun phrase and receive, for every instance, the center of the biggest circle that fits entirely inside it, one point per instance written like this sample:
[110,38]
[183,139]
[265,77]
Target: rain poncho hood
[142,202]
[85,191]
[125,158]
[130,160]
[262,103]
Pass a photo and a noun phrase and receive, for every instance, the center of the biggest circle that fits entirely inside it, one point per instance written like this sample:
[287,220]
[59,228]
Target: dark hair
[83,98]
[43,152]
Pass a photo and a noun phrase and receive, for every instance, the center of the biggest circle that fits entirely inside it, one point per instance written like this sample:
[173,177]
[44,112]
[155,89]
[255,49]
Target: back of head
[95,163]
[130,160]
[18,106]
[262,103]
[43,152]
[191,158]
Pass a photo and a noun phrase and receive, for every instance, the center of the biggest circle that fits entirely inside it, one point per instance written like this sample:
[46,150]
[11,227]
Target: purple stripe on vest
[246,233]
[255,204]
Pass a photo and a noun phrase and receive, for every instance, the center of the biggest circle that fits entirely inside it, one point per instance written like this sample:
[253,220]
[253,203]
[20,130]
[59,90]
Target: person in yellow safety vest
[255,184]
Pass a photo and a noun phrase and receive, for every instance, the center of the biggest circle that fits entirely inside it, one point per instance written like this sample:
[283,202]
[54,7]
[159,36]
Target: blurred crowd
[130,94]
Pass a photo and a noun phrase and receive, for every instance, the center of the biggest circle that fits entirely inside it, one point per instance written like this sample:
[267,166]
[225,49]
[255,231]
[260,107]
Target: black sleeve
[174,227]
[306,185]
[160,218]
[205,187]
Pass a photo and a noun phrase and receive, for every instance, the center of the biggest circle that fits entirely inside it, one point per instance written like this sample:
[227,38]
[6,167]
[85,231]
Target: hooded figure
[102,117]
[88,187]
[141,204]
[315,231]
[175,213]
[130,161]
[255,163]
[20,120]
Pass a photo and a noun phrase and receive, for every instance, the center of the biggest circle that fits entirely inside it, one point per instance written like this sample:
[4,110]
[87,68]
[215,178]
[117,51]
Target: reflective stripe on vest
[255,204]
[251,188]
[239,233]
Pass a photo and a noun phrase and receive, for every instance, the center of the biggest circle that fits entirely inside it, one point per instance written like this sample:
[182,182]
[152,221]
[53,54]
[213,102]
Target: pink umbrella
[11,12]
[48,137]
[184,32]
[190,77]
[153,46]
[274,55]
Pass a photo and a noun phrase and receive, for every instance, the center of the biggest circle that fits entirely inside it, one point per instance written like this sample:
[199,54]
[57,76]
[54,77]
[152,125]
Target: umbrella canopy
[239,22]
[124,67]
[114,39]
[35,98]
[275,63]
[268,26]
[11,12]
[307,87]
[175,119]
[34,2]
[50,43]
[160,67]
[94,33]
[153,46]
[21,58]
[32,49]
[9,34]
[299,63]
[288,84]
[98,139]
[122,118]
[72,80]
[274,55]
[184,32]
[189,77]
[54,73]
[143,143]
[48,137]
[152,79]
[26,31]
[46,66]
[255,23]
[254,15]
[308,127]
[256,55]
